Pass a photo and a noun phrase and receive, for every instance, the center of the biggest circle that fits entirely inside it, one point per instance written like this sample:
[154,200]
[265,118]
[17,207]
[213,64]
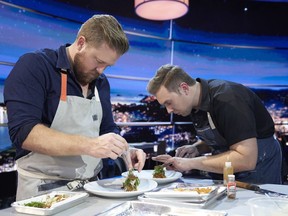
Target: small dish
[72,199]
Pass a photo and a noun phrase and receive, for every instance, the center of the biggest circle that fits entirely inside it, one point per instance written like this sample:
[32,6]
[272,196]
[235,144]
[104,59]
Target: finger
[141,158]
[169,166]
[119,147]
[177,152]
[157,159]
[140,165]
[117,150]
[164,156]
[122,141]
[127,159]
[181,153]
[187,155]
[113,156]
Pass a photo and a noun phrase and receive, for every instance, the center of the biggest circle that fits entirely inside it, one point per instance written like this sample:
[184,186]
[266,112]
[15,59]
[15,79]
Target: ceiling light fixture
[161,9]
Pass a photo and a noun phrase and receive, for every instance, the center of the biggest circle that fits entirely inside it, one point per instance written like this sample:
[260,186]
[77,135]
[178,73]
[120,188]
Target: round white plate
[113,187]
[148,174]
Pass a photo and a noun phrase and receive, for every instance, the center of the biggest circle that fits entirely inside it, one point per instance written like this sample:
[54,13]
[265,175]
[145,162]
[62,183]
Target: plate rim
[118,194]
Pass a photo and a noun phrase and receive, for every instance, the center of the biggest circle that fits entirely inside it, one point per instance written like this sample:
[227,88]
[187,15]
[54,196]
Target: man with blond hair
[59,111]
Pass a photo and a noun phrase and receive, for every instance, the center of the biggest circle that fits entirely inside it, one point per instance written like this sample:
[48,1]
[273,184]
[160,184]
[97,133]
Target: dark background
[226,16]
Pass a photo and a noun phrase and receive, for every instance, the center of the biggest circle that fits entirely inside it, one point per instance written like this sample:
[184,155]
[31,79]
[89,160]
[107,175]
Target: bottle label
[231,190]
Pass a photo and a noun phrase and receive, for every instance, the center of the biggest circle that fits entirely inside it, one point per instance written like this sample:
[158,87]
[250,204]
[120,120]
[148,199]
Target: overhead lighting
[161,9]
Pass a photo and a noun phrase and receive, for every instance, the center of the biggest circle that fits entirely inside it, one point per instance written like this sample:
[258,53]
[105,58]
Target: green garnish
[132,182]
[159,172]
[48,201]
[36,204]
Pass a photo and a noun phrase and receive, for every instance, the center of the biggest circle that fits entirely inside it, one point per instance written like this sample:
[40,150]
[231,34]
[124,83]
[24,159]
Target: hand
[108,145]
[135,159]
[173,163]
[187,151]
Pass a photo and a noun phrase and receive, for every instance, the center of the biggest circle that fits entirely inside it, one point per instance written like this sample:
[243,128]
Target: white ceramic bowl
[268,206]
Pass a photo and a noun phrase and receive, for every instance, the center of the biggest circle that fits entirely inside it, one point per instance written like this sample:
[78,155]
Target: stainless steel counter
[95,205]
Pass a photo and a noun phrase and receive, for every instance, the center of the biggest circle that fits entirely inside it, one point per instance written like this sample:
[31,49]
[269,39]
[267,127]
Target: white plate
[170,192]
[113,187]
[148,174]
[73,199]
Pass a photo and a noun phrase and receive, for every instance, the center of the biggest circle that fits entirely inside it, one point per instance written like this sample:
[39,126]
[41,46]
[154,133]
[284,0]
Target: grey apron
[207,132]
[74,115]
[268,167]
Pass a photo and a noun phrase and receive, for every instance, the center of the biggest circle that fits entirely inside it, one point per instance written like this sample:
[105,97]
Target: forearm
[209,163]
[48,141]
[215,163]
[243,156]
[51,142]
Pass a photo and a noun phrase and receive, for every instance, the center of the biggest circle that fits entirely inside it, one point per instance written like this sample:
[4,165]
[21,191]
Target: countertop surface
[94,205]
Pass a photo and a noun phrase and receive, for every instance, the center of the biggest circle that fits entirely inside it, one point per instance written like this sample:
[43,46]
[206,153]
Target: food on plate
[131,182]
[159,172]
[48,201]
[199,190]
[36,204]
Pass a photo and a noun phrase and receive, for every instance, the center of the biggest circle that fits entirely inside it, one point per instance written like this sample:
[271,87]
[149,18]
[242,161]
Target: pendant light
[161,9]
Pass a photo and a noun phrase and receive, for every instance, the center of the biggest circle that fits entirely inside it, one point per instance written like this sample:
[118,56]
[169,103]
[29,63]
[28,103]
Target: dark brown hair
[169,76]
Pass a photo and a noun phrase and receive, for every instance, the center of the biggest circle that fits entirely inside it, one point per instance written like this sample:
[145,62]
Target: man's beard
[82,77]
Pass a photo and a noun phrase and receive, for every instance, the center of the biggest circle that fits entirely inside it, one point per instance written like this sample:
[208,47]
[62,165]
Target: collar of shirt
[205,96]
[63,60]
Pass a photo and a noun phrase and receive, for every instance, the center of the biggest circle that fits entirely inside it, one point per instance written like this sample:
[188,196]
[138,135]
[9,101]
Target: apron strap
[211,123]
[63,85]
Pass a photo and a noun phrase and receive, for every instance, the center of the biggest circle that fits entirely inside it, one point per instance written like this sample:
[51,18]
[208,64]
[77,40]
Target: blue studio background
[258,61]
[245,41]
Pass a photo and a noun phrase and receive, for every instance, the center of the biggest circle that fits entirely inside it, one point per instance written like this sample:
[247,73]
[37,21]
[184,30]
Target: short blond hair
[169,76]
[104,28]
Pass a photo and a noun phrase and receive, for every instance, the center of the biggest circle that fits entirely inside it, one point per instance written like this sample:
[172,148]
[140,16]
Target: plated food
[171,176]
[159,172]
[51,203]
[131,182]
[48,201]
[114,187]
[199,190]
[180,190]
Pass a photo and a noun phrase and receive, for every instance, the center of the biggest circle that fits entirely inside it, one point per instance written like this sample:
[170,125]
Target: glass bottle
[227,170]
[231,187]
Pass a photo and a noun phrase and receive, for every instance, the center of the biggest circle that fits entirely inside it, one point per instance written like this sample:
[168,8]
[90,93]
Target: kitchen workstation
[174,194]
[144,107]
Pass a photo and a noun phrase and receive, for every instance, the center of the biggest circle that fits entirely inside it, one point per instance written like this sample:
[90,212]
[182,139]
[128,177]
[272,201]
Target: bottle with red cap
[231,187]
